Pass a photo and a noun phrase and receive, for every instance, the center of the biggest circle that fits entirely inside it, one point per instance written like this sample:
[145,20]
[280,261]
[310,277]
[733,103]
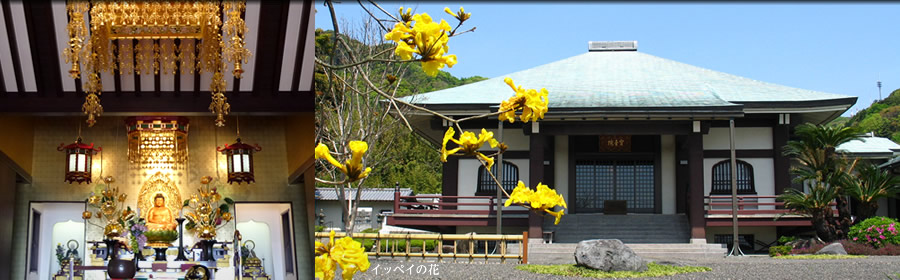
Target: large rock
[832,249]
[608,255]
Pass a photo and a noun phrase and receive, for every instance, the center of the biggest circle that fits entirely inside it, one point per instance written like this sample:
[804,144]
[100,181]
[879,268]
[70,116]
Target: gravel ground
[751,267]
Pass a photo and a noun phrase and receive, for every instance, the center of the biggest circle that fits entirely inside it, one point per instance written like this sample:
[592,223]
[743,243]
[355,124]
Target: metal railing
[464,246]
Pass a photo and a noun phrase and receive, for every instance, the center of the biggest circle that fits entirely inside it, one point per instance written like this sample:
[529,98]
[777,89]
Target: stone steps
[631,229]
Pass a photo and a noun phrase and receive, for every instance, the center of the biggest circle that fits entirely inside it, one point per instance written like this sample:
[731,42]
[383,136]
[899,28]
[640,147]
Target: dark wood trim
[156,73]
[15,167]
[535,175]
[765,222]
[2,82]
[270,46]
[117,77]
[749,153]
[165,102]
[782,164]
[137,78]
[297,176]
[7,220]
[508,155]
[13,45]
[695,201]
[450,179]
[621,128]
[301,46]
[44,54]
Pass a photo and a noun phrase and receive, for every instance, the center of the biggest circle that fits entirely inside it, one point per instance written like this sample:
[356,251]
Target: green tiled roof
[627,79]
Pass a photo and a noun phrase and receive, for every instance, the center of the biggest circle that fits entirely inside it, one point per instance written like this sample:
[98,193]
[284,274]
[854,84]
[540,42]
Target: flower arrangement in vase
[110,209]
[208,210]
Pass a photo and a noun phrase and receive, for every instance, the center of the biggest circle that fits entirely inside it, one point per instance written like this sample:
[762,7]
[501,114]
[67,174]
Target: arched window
[721,178]
[486,184]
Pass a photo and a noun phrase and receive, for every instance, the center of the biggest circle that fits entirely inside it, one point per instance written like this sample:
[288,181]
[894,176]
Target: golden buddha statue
[159,217]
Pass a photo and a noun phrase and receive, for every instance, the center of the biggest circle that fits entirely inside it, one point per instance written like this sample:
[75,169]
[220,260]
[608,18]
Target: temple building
[156,140]
[638,145]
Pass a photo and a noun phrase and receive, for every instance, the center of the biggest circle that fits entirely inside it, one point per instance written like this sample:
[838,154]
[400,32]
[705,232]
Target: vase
[206,253]
[121,269]
[112,247]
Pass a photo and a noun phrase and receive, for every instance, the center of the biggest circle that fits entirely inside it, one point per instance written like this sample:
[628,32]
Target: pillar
[696,211]
[536,175]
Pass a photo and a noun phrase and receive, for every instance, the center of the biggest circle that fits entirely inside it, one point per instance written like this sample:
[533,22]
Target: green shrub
[782,250]
[320,228]
[876,231]
[784,240]
[387,244]
[369,230]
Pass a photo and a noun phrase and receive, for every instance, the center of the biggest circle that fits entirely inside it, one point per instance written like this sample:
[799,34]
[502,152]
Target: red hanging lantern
[78,160]
[240,161]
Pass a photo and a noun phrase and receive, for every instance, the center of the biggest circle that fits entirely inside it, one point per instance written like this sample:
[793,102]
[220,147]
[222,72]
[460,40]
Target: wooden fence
[464,246]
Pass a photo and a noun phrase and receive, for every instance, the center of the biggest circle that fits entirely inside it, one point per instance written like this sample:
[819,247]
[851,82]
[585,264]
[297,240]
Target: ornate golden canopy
[155,36]
[159,184]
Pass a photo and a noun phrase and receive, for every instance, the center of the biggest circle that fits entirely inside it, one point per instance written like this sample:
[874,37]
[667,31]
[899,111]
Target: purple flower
[881,236]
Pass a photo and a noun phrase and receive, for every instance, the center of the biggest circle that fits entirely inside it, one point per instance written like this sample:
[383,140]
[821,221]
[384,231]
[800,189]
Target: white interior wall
[269,214]
[59,223]
[744,138]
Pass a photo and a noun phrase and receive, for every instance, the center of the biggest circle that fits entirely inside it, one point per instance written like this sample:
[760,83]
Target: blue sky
[839,48]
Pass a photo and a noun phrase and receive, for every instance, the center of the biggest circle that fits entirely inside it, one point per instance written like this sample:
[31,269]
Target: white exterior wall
[334,214]
[667,166]
[744,138]
[468,181]
[763,176]
[512,137]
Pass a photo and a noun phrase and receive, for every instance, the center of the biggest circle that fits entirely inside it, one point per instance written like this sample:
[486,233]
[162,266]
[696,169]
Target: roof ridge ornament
[602,46]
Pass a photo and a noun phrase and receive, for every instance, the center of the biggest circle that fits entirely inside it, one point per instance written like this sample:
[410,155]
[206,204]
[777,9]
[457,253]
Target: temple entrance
[601,182]
[616,173]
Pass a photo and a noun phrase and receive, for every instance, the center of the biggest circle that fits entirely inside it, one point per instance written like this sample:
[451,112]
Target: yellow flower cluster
[353,167]
[533,104]
[544,199]
[469,144]
[426,38]
[346,253]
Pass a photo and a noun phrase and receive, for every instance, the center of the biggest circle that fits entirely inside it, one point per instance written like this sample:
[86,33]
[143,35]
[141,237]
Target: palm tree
[827,172]
[872,185]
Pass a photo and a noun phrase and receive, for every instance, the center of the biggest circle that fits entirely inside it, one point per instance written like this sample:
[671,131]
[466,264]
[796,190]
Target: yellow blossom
[461,15]
[543,199]
[469,144]
[346,253]
[353,167]
[533,103]
[419,34]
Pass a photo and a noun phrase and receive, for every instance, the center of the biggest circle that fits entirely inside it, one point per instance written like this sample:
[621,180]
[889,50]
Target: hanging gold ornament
[166,36]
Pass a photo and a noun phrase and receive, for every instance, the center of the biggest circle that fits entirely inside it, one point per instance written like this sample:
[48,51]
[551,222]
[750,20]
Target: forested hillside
[414,162]
[882,117]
